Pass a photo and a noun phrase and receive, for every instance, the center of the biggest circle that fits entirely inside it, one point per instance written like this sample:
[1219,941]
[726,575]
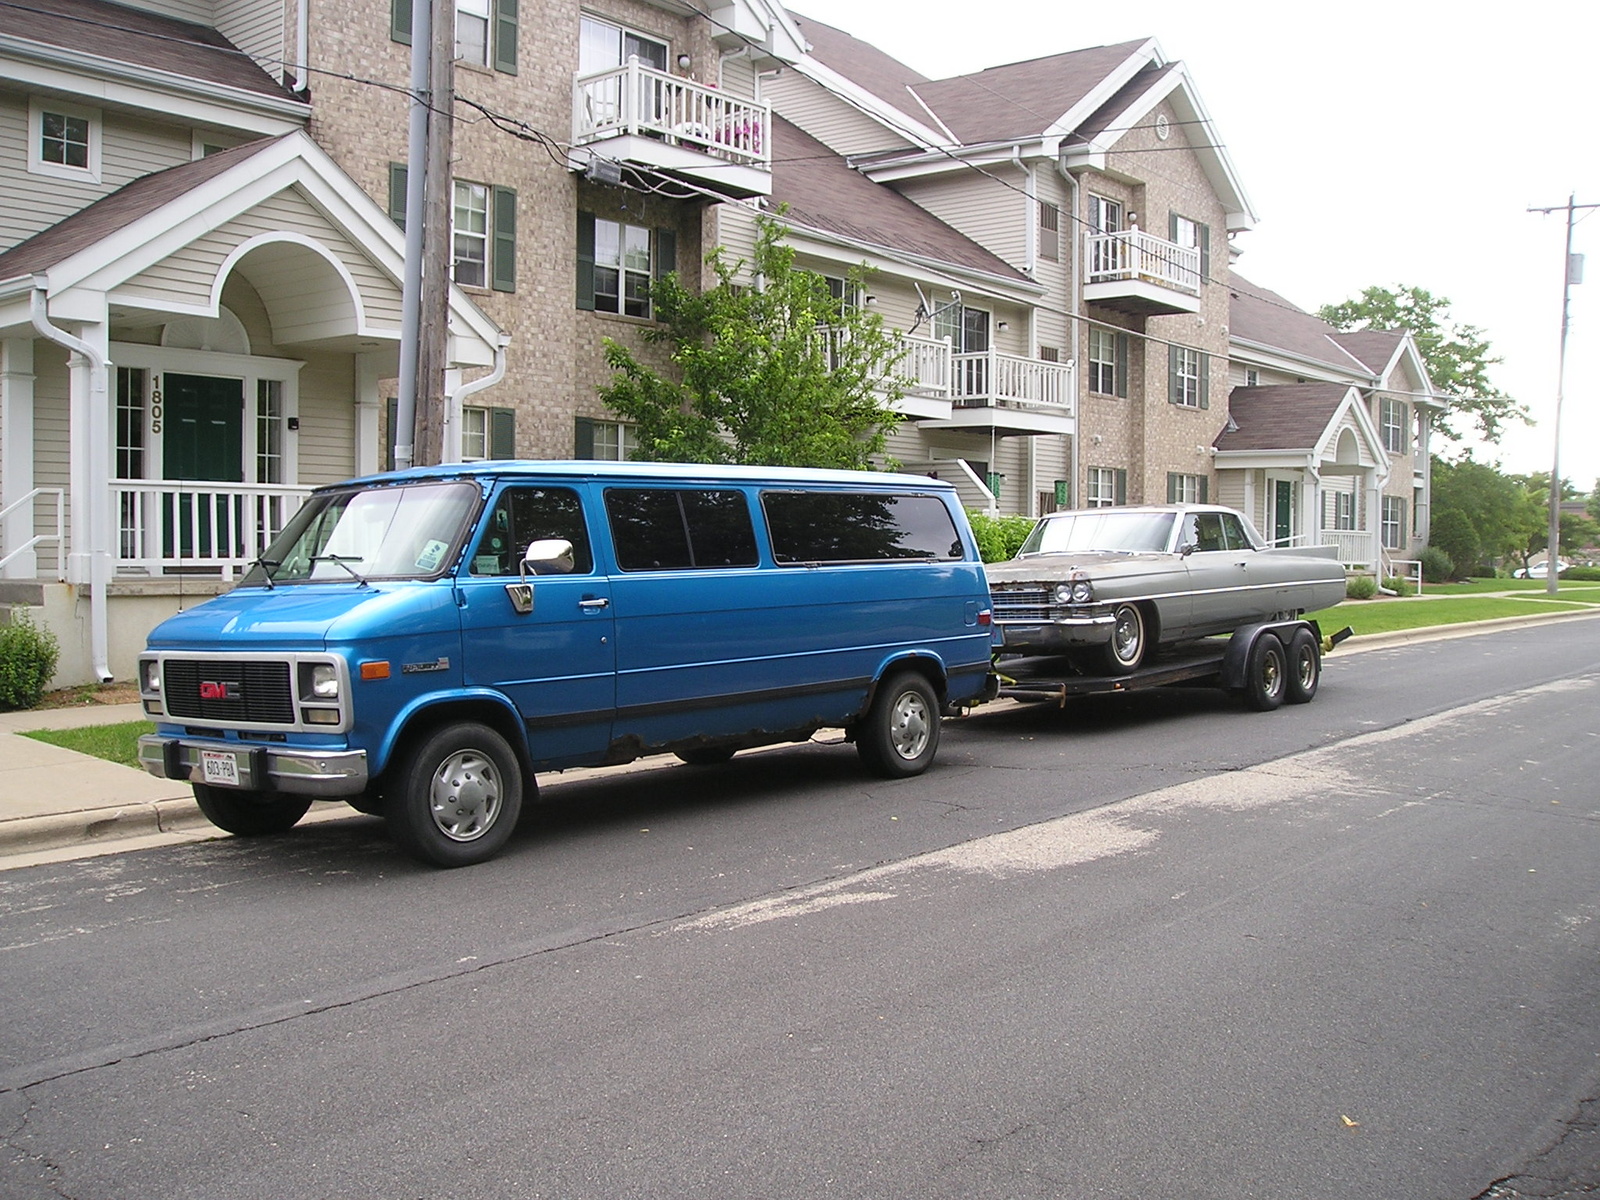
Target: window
[609,440]
[968,331]
[1105,216]
[1108,362]
[1192,235]
[472,32]
[483,230]
[1049,232]
[1187,382]
[1186,489]
[488,433]
[617,263]
[602,45]
[1106,486]
[661,529]
[522,515]
[1394,522]
[486,31]
[1209,532]
[1252,377]
[269,431]
[1393,418]
[470,230]
[64,141]
[856,527]
[1344,510]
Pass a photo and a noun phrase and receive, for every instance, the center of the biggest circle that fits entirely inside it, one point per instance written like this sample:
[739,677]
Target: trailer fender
[1236,658]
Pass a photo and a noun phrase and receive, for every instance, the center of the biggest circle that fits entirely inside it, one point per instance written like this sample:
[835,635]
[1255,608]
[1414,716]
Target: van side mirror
[548,556]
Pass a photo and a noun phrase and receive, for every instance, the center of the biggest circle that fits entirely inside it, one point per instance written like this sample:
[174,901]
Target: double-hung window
[470,230]
[483,230]
[485,32]
[1394,522]
[1185,489]
[1108,362]
[487,433]
[1392,421]
[472,32]
[617,263]
[1106,486]
[1187,382]
[612,441]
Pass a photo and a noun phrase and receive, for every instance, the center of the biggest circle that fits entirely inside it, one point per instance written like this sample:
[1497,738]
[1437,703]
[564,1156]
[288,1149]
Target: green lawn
[1472,587]
[1390,616]
[117,743]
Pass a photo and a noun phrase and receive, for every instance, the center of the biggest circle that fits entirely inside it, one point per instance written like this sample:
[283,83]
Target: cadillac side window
[677,529]
[523,515]
[857,527]
[1233,535]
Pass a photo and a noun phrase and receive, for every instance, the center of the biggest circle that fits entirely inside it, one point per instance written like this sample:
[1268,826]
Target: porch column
[1310,511]
[89,445]
[16,452]
[368,407]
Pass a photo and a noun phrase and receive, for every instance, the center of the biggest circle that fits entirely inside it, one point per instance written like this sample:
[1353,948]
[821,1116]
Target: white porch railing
[1132,254]
[923,363]
[198,523]
[38,539]
[639,100]
[994,378]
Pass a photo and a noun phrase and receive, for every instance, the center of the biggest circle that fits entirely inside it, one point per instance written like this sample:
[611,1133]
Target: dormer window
[64,141]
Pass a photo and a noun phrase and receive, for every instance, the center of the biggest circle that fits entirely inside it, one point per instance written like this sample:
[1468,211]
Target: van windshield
[412,531]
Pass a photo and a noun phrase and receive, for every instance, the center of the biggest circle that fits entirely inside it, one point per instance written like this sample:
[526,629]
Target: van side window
[662,529]
[840,527]
[521,515]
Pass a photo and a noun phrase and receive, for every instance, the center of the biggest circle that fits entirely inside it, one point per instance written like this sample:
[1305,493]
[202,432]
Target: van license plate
[219,766]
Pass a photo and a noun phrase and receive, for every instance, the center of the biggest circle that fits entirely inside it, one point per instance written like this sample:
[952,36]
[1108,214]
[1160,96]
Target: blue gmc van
[420,643]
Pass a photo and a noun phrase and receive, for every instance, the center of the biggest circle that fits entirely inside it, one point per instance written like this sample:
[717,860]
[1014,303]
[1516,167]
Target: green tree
[1481,514]
[783,373]
[1576,531]
[1457,356]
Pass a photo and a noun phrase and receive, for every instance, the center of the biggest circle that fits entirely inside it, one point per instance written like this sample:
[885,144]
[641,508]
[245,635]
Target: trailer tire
[706,756]
[900,733]
[1266,675]
[250,813]
[1126,650]
[1305,667]
[456,796]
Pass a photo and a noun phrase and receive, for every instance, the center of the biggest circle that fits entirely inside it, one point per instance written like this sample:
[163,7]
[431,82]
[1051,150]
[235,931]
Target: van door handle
[594,602]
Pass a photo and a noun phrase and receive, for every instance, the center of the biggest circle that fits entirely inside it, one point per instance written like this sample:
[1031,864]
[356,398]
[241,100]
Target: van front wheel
[247,813]
[900,733]
[456,797]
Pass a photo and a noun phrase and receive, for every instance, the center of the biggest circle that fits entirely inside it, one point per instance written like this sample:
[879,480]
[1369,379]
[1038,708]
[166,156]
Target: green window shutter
[503,273]
[393,420]
[1205,380]
[582,437]
[505,36]
[1172,227]
[400,21]
[502,433]
[1119,491]
[1205,254]
[1172,374]
[1122,365]
[586,261]
[1172,488]
[397,193]
[1204,489]
[666,248]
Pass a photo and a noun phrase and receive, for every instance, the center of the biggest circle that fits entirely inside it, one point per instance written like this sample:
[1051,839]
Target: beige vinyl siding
[257,29]
[130,148]
[198,11]
[738,76]
[988,211]
[327,420]
[834,122]
[1230,489]
[1052,327]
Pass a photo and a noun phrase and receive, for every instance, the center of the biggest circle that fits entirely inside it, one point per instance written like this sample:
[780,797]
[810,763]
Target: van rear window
[662,529]
[840,527]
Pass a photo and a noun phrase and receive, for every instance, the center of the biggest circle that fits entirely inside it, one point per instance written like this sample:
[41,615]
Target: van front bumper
[332,774]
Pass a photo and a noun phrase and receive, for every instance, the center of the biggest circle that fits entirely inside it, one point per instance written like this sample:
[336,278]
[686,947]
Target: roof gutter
[84,410]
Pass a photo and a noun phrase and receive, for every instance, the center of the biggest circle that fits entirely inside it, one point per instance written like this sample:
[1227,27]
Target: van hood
[303,617]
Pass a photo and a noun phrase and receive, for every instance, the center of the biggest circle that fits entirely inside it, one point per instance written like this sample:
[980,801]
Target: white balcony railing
[198,523]
[993,378]
[923,364]
[637,100]
[1133,255]
[1356,546]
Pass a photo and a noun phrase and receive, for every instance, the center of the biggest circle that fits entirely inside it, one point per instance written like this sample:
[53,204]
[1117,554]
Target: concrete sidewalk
[57,804]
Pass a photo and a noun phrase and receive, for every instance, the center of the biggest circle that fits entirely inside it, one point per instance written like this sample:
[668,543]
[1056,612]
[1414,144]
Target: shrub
[1361,587]
[1437,566]
[27,661]
[999,538]
[1582,574]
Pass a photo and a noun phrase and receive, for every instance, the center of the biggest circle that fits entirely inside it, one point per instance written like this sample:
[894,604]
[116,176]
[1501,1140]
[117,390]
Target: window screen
[820,527]
[679,530]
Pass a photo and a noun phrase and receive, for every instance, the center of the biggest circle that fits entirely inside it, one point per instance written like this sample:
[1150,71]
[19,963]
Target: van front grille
[225,691]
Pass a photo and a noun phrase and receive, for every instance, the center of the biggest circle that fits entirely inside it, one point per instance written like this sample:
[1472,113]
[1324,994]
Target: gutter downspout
[99,468]
[302,38]
[1072,320]
[459,396]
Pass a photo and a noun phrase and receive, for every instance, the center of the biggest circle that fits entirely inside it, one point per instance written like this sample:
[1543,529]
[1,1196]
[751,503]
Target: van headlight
[150,676]
[319,681]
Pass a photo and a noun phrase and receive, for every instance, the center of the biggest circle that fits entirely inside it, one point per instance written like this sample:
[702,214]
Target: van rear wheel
[456,796]
[900,734]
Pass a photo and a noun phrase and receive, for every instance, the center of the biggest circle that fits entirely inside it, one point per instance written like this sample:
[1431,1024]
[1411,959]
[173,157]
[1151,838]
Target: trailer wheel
[1266,675]
[1126,649]
[1305,667]
[249,813]
[706,756]
[900,733]
[456,796]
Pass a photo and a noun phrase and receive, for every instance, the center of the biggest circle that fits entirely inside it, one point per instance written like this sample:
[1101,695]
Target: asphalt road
[1147,947]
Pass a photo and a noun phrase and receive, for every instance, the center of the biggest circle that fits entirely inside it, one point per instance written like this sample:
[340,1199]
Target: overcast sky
[1379,143]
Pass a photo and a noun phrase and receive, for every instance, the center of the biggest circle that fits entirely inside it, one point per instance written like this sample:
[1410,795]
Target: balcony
[924,368]
[1136,272]
[198,525]
[1007,394]
[634,114]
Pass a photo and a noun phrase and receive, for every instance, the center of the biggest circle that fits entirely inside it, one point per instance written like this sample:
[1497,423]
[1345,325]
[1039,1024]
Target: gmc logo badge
[218,691]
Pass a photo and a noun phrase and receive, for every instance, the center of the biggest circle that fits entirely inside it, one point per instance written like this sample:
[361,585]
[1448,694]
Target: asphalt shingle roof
[1258,315]
[1282,416]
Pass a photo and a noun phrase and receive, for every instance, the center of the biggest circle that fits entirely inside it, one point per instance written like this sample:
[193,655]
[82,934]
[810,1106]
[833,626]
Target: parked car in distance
[1108,585]
[1539,570]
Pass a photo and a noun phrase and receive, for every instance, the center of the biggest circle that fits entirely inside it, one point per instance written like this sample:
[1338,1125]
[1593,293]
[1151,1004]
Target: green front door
[202,438]
[1282,511]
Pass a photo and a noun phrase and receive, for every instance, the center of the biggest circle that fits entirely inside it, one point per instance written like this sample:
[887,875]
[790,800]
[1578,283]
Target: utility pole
[1571,272]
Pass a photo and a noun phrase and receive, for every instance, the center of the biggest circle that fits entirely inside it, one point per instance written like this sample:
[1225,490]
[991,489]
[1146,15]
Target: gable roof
[1265,318]
[823,193]
[1374,347]
[885,77]
[1286,416]
[139,38]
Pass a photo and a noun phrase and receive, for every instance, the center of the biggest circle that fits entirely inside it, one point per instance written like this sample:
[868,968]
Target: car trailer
[1272,663]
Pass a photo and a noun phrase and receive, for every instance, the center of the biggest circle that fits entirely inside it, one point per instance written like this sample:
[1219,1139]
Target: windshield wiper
[268,566]
[344,560]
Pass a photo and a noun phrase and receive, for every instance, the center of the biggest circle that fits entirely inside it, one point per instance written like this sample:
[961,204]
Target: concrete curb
[25,835]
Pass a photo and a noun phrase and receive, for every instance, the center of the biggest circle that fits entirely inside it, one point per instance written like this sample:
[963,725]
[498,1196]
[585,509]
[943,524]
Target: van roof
[674,472]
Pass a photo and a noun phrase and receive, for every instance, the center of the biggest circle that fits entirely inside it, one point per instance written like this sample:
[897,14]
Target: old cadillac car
[1106,586]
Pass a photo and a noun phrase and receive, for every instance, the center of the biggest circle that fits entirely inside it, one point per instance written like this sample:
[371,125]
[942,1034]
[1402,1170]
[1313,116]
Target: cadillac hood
[306,617]
[1100,566]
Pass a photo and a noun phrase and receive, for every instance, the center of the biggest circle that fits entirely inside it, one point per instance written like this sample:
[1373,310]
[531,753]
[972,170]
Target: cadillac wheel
[456,796]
